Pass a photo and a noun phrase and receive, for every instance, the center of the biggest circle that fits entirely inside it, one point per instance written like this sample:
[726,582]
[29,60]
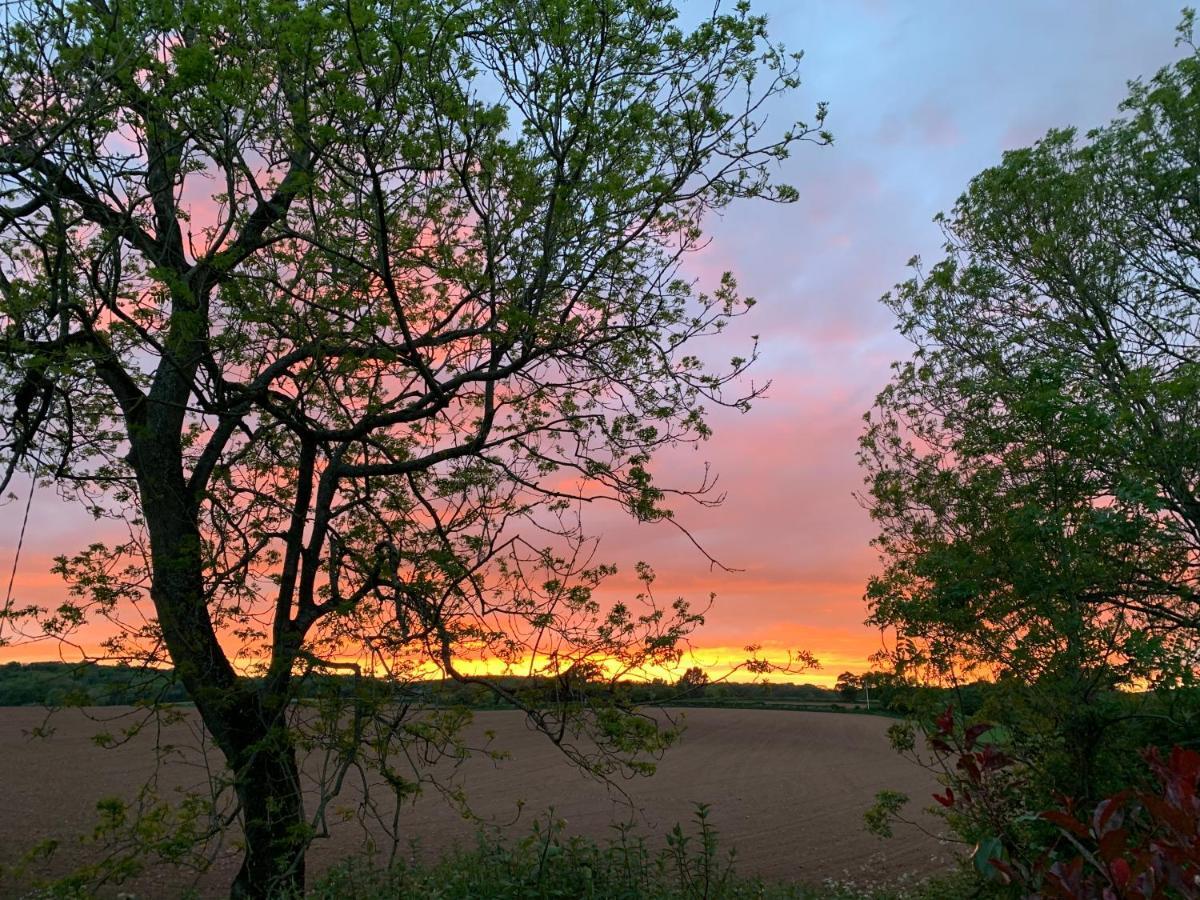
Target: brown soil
[788,789]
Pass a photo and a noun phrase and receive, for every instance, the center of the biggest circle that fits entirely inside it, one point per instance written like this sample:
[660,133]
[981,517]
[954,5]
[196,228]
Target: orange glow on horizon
[819,612]
[720,663]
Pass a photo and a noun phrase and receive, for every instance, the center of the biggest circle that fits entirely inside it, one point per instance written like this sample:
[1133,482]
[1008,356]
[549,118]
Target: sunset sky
[923,94]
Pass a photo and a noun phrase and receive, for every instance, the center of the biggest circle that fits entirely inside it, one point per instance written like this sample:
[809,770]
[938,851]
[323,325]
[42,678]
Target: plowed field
[788,789]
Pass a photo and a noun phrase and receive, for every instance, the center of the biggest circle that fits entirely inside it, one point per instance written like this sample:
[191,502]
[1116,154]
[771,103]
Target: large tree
[348,309]
[1035,467]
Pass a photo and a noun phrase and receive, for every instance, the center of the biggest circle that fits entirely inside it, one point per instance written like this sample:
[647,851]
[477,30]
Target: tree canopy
[1035,464]
[1034,468]
[348,311]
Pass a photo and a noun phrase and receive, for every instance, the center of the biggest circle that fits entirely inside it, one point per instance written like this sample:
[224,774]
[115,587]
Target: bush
[1137,844]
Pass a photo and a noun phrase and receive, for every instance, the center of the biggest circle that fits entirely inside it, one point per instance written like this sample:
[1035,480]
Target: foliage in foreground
[1138,843]
[1141,843]
[549,865]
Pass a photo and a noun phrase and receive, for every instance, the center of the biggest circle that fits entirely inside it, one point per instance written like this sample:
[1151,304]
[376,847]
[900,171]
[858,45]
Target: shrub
[1137,844]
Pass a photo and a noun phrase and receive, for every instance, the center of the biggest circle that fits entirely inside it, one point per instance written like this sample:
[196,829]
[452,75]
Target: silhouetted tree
[347,310]
[692,681]
[1034,470]
[848,685]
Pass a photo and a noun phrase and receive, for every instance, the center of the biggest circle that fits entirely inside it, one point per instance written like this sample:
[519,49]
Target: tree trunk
[276,832]
[249,727]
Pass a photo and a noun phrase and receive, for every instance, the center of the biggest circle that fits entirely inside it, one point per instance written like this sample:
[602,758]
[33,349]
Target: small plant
[985,796]
[702,874]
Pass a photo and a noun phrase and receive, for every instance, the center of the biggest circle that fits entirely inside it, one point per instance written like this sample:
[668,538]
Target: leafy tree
[848,685]
[347,311]
[1034,469]
[891,691]
[694,680]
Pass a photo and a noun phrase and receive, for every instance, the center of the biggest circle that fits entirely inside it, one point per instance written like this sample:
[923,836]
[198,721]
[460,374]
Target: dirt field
[787,788]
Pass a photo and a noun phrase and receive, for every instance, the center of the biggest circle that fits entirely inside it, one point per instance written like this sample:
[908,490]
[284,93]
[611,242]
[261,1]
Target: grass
[549,865]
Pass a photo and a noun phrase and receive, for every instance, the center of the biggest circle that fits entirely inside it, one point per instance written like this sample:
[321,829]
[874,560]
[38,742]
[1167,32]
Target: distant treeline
[91,684]
[58,684]
[85,684]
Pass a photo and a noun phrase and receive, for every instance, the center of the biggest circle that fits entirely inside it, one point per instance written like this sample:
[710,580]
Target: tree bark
[247,725]
[276,835]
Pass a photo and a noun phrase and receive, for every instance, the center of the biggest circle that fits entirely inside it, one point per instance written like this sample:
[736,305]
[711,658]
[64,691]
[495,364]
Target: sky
[923,95]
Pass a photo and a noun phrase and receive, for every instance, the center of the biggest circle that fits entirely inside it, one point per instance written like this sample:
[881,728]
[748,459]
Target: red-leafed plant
[1136,844]
[985,794]
[978,766]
